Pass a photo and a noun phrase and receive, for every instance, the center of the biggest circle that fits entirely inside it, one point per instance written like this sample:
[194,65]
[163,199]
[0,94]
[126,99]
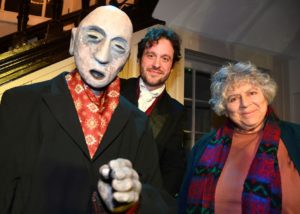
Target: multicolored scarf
[94,111]
[262,187]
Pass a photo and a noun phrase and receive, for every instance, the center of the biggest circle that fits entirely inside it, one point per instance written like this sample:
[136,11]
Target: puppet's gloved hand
[119,185]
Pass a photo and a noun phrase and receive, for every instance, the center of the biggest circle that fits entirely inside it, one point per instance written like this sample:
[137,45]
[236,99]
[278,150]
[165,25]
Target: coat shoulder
[174,105]
[289,130]
[128,82]
[126,105]
[36,88]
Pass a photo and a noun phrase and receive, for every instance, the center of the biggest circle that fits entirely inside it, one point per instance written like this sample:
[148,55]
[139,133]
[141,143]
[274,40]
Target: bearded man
[157,54]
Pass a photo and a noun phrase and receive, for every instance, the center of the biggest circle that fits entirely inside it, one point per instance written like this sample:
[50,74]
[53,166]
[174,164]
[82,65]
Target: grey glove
[119,185]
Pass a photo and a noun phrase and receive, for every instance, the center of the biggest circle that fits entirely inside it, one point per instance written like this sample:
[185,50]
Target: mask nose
[102,53]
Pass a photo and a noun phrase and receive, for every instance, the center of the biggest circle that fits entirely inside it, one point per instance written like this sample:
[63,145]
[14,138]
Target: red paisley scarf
[94,111]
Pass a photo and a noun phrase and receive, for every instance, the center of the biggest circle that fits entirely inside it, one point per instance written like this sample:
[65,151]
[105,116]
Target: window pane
[202,118]
[188,141]
[188,80]
[188,115]
[202,86]
[35,9]
[11,6]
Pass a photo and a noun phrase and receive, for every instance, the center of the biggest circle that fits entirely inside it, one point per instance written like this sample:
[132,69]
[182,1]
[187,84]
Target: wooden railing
[32,48]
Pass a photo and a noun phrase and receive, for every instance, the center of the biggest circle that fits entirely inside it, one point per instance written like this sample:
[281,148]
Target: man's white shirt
[147,97]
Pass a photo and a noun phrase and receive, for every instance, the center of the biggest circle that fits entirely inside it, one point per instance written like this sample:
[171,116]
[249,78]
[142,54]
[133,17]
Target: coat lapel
[129,89]
[157,121]
[159,115]
[115,126]
[291,138]
[61,104]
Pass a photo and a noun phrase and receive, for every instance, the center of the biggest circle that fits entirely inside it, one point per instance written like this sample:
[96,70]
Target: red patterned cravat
[94,112]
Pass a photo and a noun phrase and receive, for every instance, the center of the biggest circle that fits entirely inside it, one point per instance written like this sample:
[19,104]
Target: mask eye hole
[93,36]
[119,45]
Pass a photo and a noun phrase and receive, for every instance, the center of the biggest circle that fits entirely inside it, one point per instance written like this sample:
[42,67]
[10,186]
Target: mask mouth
[97,74]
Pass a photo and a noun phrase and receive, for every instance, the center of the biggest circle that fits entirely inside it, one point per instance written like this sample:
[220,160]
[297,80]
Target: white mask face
[101,45]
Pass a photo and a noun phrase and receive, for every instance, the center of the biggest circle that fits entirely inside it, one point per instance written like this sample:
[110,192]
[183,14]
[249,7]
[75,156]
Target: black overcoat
[44,161]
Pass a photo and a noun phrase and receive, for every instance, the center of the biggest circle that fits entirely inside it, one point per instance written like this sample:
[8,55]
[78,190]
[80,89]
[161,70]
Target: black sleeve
[10,149]
[153,199]
[173,160]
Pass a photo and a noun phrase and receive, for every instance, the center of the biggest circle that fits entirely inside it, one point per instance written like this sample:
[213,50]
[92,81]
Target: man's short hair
[153,35]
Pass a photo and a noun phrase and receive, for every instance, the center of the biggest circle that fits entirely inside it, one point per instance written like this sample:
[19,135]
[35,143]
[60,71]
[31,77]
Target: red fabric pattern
[94,111]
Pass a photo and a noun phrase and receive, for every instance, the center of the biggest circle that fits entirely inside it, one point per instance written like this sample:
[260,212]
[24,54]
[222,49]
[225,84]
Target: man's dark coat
[166,121]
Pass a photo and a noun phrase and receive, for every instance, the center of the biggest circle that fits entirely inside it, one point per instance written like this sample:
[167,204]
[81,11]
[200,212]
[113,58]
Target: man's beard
[157,82]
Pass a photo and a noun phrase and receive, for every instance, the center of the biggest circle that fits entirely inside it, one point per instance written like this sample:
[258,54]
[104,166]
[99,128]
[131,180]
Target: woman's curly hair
[231,75]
